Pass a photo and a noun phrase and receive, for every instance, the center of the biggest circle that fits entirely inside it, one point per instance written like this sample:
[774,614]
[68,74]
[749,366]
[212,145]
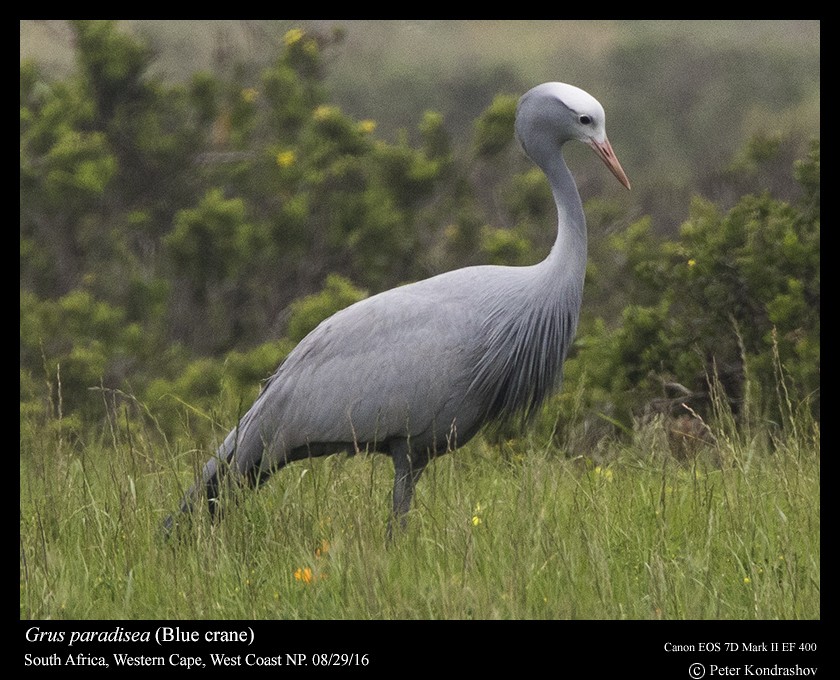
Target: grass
[531,534]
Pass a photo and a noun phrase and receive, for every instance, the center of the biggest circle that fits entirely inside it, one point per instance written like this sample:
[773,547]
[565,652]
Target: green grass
[529,533]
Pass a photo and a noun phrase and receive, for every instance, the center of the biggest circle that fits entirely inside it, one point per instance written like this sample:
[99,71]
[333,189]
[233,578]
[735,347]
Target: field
[732,534]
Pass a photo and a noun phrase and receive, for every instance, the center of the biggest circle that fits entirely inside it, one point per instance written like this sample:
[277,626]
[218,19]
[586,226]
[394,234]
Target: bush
[737,294]
[168,233]
[309,311]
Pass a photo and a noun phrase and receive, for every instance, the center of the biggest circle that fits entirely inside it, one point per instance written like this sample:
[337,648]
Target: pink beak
[605,151]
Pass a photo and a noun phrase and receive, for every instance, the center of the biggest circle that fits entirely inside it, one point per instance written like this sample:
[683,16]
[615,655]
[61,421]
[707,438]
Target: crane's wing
[398,364]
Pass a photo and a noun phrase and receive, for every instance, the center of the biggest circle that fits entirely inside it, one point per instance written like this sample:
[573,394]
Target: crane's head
[551,114]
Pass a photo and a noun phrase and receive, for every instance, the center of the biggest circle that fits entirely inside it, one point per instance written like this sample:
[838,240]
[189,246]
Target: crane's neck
[567,260]
[530,328]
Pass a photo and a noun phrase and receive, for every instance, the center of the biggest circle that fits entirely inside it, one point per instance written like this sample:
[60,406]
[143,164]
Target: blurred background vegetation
[196,196]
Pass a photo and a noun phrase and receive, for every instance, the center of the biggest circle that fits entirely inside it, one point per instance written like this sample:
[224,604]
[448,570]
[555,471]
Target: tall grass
[536,533]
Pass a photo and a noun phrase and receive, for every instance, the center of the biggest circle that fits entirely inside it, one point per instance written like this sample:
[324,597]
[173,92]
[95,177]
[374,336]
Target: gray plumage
[416,371]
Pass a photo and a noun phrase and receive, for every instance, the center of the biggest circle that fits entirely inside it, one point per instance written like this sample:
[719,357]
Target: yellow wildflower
[292,36]
[367,126]
[747,579]
[692,262]
[286,158]
[303,574]
[604,473]
[324,112]
[476,520]
[249,94]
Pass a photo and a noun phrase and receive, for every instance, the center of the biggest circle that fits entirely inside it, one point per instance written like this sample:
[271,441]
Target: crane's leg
[407,470]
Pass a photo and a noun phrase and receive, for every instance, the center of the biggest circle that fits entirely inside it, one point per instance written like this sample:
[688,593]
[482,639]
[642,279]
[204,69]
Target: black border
[591,649]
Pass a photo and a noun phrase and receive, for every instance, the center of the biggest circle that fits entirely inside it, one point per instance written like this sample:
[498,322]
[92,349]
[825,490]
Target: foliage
[494,128]
[198,214]
[309,311]
[735,296]
[170,233]
[78,343]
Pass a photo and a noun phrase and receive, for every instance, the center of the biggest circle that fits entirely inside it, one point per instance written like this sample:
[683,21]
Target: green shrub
[736,294]
[309,311]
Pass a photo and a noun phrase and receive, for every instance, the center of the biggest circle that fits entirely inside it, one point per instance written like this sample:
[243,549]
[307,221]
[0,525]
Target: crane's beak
[605,151]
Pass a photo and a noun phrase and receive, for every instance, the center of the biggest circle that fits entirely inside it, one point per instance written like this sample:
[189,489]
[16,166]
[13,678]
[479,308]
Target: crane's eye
[584,119]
